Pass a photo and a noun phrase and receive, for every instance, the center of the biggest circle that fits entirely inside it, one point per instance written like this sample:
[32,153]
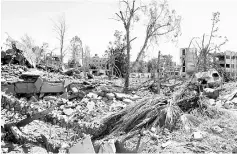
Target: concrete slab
[85,146]
[38,84]
[25,88]
[9,88]
[52,87]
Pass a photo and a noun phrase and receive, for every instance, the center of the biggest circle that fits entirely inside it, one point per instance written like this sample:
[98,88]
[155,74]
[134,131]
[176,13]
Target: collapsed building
[228,61]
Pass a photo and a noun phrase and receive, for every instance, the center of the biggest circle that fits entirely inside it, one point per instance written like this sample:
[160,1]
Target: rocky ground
[69,120]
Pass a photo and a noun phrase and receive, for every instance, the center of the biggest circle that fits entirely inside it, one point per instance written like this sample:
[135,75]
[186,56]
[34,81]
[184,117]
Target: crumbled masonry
[60,113]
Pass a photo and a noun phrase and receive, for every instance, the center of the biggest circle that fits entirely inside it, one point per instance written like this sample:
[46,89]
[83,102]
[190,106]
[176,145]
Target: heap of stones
[11,73]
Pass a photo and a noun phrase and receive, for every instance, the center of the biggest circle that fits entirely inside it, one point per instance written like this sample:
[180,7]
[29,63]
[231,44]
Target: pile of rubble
[11,73]
[80,115]
[80,106]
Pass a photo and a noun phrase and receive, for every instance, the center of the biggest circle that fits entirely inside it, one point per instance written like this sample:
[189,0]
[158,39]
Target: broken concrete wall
[40,86]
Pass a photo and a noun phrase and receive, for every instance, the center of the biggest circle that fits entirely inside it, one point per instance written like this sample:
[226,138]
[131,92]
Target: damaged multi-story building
[188,58]
[98,64]
[228,61]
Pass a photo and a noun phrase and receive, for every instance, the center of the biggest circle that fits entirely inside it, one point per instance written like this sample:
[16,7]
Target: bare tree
[60,28]
[28,41]
[161,22]
[126,17]
[208,43]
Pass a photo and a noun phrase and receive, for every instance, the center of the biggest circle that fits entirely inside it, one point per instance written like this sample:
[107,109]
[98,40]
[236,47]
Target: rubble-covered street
[122,76]
[58,118]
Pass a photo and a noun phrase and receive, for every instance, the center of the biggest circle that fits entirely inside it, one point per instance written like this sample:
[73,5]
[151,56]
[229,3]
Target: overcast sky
[90,20]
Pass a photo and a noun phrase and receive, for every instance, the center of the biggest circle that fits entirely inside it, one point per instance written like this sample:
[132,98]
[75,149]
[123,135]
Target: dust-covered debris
[57,119]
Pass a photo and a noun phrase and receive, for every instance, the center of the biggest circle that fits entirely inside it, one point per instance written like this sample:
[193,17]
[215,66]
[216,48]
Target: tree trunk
[158,74]
[141,52]
[204,60]
[126,84]
[110,73]
[61,51]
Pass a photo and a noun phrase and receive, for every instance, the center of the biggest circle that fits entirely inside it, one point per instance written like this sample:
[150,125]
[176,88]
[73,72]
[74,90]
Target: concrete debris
[50,98]
[84,146]
[107,147]
[110,96]
[82,106]
[212,102]
[117,106]
[198,136]
[121,96]
[211,93]
[12,73]
[33,99]
[92,95]
[128,101]
[216,129]
[68,112]
[234,150]
[90,106]
[164,145]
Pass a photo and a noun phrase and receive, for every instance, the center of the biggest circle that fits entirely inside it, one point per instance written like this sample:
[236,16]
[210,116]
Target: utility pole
[158,73]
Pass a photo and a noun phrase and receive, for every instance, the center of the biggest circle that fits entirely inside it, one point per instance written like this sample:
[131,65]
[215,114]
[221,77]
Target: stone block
[9,88]
[38,83]
[52,87]
[25,88]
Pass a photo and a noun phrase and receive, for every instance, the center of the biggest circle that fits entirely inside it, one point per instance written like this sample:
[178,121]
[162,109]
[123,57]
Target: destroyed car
[211,78]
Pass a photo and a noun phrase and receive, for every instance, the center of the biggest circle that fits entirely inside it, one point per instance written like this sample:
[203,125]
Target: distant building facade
[98,62]
[188,58]
[167,68]
[228,61]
